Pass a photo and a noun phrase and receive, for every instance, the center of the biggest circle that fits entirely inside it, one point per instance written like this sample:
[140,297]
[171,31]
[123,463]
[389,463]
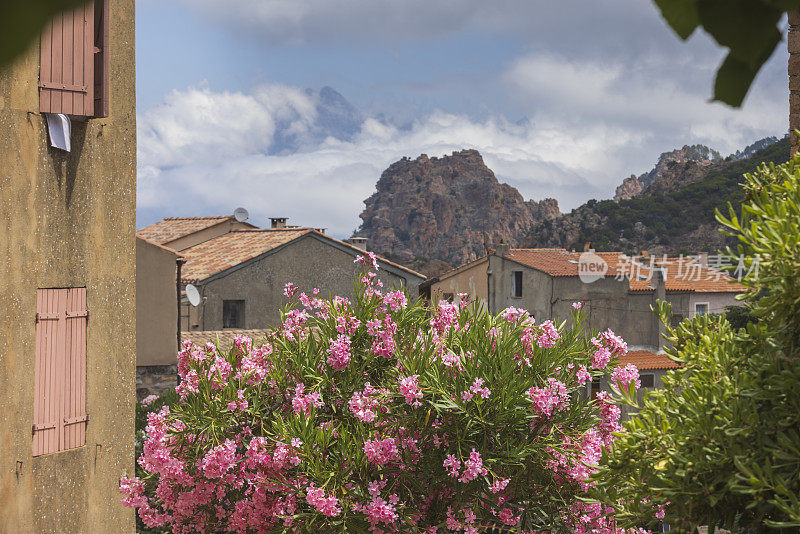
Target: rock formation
[449,209]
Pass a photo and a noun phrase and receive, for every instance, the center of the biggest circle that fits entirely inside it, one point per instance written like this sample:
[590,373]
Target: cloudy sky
[294,107]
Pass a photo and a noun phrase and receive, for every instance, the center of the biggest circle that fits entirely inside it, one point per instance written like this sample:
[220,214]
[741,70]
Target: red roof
[681,274]
[223,252]
[172,228]
[645,360]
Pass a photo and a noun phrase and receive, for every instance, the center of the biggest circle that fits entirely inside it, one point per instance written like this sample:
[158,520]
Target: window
[595,388]
[648,380]
[516,284]
[701,308]
[675,320]
[73,64]
[59,410]
[233,314]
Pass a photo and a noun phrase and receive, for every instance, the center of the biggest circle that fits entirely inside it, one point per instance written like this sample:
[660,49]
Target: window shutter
[59,413]
[66,72]
[102,23]
[75,417]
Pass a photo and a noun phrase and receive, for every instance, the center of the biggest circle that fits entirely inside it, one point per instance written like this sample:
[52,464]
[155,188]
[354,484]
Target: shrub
[384,415]
[720,445]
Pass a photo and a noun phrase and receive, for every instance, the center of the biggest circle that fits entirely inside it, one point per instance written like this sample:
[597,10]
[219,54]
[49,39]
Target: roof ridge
[196,218]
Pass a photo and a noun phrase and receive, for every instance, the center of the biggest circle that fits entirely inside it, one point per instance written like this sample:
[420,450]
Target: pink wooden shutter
[49,351]
[74,395]
[59,414]
[66,72]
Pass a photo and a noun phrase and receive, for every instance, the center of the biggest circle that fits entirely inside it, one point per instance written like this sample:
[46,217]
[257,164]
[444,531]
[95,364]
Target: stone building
[239,271]
[241,275]
[67,340]
[616,291]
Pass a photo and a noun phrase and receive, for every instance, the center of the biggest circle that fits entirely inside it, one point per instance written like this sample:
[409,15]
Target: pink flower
[409,388]
[364,405]
[512,314]
[615,345]
[452,464]
[473,467]
[370,261]
[600,358]
[549,400]
[625,375]
[396,300]
[289,290]
[302,403]
[328,506]
[499,485]
[548,335]
[219,460]
[148,400]
[381,452]
[577,305]
[477,388]
[339,352]
[240,403]
[583,375]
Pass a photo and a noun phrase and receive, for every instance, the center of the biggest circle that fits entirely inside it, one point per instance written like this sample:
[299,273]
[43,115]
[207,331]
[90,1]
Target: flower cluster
[422,406]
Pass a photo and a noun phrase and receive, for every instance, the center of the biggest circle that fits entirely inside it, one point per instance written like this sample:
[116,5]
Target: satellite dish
[241,214]
[192,294]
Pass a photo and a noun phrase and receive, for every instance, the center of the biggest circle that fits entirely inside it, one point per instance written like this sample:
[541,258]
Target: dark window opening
[595,388]
[516,284]
[648,380]
[233,314]
[676,319]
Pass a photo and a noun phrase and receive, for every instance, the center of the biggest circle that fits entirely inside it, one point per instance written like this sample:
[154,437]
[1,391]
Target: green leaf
[733,81]
[747,27]
[681,15]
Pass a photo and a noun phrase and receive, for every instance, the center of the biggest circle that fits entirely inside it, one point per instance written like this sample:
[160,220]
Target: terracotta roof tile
[682,274]
[167,249]
[645,360]
[172,228]
[225,251]
[224,337]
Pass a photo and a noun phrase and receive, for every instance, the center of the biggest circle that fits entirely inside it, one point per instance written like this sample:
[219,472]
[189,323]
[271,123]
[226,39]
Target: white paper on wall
[60,128]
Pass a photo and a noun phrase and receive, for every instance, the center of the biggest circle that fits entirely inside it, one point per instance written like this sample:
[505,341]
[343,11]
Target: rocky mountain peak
[447,208]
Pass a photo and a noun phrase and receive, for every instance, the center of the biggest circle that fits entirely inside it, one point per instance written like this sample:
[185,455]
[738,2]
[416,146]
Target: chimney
[501,248]
[320,230]
[702,259]
[277,222]
[359,242]
[659,284]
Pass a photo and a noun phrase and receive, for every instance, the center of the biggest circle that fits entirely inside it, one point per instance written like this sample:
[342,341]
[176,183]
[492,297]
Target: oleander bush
[385,415]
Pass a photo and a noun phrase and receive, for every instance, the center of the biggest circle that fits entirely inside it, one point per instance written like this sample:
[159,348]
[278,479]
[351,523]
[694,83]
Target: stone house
[616,292]
[241,275]
[240,272]
[546,282]
[67,347]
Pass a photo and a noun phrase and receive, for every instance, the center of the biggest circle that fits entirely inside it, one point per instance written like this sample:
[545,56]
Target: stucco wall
[67,220]
[716,302]
[308,262]
[608,302]
[156,305]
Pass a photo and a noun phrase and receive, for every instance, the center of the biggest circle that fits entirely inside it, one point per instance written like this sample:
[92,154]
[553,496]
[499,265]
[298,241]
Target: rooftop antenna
[241,214]
[192,294]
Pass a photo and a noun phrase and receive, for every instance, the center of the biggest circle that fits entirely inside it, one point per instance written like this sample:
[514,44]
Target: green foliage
[721,443]
[738,316]
[21,22]
[672,215]
[747,28]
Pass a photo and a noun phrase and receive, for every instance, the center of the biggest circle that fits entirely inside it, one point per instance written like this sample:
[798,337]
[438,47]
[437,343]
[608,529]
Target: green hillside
[678,221]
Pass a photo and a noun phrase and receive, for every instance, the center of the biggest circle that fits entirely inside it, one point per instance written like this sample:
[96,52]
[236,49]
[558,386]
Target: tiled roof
[225,251]
[682,274]
[645,360]
[223,338]
[162,247]
[172,228]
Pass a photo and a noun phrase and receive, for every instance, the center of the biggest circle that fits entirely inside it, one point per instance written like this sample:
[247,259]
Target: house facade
[67,294]
[241,275]
[546,282]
